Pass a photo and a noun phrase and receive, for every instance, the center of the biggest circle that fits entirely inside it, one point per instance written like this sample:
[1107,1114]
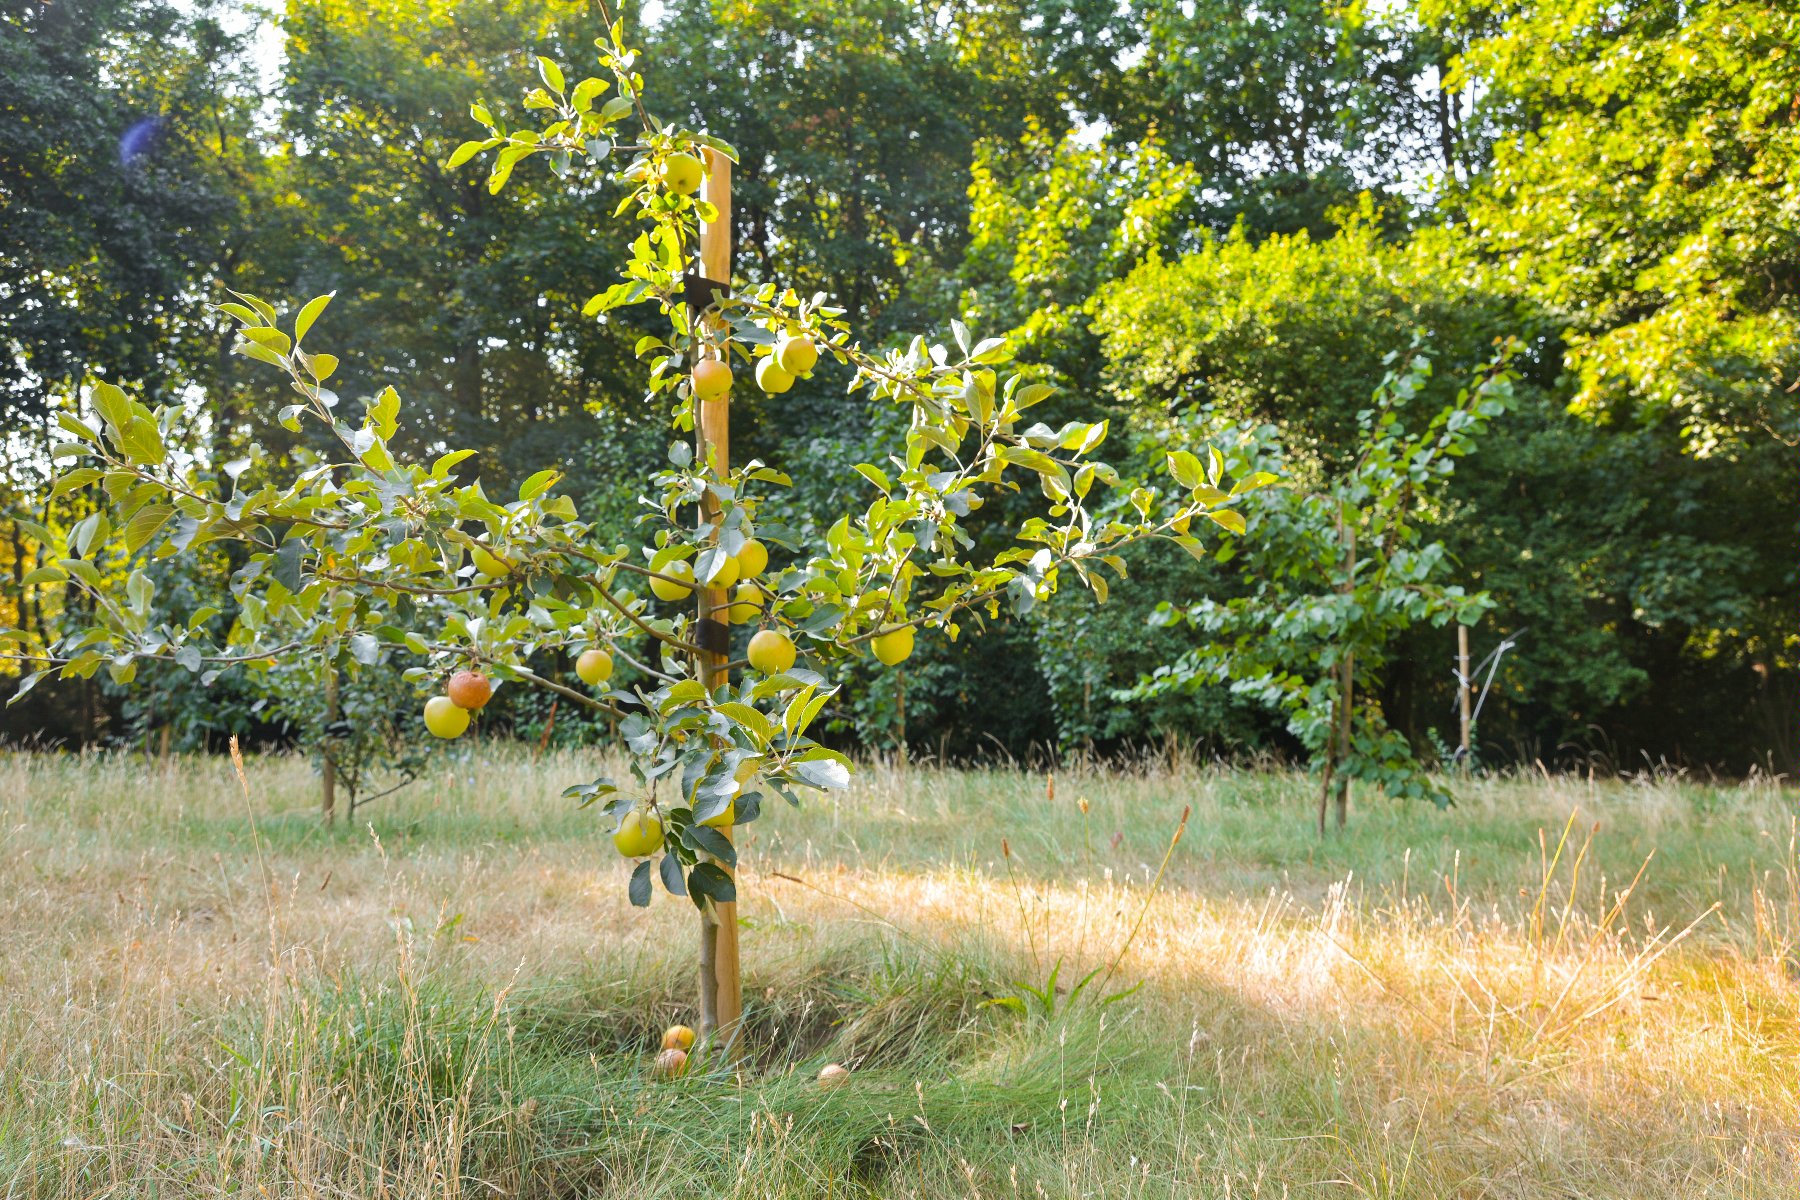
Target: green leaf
[384,414]
[1186,469]
[69,481]
[145,524]
[551,74]
[535,486]
[309,314]
[464,153]
[80,429]
[639,887]
[750,718]
[1226,518]
[112,405]
[709,881]
[586,91]
[825,773]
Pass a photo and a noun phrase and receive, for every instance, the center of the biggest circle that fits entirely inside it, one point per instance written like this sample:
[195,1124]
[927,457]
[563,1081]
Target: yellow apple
[666,589]
[895,646]
[444,718]
[797,355]
[725,576]
[712,379]
[594,667]
[678,1037]
[683,173]
[771,652]
[752,559]
[639,835]
[491,564]
[772,378]
[746,604]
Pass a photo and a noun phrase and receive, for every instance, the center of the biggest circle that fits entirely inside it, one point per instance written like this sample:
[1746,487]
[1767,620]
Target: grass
[204,992]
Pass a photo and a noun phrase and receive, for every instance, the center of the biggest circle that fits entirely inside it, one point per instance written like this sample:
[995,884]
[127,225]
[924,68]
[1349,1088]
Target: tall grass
[204,992]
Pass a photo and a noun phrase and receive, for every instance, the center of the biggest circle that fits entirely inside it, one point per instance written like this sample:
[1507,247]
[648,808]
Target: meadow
[1561,987]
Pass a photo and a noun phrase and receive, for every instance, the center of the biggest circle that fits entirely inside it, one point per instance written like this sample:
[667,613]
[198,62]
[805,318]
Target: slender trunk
[1346,688]
[1462,686]
[900,744]
[1346,678]
[1327,772]
[328,771]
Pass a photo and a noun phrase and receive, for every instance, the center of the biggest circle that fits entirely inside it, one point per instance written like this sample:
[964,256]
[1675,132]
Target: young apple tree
[1332,576]
[361,555]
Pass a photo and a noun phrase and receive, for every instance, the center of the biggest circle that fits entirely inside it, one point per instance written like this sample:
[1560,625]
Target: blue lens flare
[139,141]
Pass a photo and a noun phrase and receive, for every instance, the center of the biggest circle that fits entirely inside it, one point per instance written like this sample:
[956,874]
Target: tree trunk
[328,769]
[1346,699]
[900,701]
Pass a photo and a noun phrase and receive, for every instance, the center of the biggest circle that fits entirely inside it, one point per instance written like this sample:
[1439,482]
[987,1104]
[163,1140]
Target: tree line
[1201,216]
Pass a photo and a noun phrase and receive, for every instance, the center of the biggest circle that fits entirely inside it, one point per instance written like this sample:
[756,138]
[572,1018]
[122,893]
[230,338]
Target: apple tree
[1331,575]
[359,552]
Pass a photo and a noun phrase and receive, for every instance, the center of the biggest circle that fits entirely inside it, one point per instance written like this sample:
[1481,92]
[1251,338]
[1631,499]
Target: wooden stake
[1462,685]
[721,985]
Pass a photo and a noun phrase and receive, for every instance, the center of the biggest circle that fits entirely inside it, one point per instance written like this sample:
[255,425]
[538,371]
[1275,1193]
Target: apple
[772,378]
[594,667]
[725,576]
[833,1075]
[797,355]
[639,835]
[444,718]
[666,589]
[895,646]
[752,559]
[746,604]
[678,1037]
[683,173]
[470,690]
[490,564]
[771,652]
[712,379]
[672,1063]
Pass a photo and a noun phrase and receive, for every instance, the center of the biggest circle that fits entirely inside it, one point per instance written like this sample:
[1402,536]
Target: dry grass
[455,998]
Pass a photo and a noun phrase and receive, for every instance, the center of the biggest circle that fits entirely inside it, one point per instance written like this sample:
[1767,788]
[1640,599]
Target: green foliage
[122,148]
[1644,189]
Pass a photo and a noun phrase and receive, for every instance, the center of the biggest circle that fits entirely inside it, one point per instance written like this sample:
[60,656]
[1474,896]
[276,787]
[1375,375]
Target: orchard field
[1558,988]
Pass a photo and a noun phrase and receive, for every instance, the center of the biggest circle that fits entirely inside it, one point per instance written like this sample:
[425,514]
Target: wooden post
[1462,685]
[328,769]
[721,986]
